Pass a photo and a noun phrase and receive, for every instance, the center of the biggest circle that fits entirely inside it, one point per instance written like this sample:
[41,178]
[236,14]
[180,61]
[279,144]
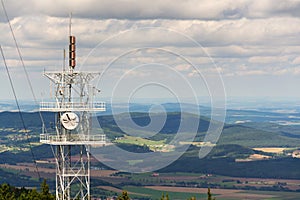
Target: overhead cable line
[25,71]
[22,61]
[20,113]
[29,83]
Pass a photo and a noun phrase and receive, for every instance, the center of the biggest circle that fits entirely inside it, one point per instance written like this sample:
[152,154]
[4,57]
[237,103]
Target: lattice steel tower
[73,104]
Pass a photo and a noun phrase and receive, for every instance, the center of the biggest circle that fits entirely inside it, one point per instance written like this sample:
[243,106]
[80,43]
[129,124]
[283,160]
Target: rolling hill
[236,142]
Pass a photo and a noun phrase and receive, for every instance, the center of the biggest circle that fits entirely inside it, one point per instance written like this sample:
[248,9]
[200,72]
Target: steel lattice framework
[73,93]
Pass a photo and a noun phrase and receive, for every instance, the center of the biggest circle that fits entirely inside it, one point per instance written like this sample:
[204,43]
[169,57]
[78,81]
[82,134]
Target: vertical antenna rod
[70,24]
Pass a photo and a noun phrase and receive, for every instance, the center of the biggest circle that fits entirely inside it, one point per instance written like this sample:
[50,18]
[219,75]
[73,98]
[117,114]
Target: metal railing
[72,106]
[75,138]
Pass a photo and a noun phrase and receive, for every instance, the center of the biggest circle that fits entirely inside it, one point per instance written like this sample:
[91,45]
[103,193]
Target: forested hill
[236,142]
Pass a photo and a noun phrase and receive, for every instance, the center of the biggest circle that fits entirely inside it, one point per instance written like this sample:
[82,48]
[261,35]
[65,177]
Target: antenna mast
[70,24]
[73,129]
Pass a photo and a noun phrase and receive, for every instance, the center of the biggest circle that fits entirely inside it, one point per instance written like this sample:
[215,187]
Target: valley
[253,160]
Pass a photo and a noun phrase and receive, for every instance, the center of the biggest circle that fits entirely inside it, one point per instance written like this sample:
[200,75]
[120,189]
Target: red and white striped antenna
[72,47]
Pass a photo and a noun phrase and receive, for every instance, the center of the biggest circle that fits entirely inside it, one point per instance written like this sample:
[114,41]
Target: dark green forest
[8,192]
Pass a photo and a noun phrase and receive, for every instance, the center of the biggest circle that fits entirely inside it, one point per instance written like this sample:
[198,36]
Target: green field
[156,194]
[151,144]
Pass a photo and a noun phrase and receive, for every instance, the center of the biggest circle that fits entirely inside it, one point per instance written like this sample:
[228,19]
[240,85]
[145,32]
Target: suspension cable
[28,80]
[22,62]
[20,113]
[29,83]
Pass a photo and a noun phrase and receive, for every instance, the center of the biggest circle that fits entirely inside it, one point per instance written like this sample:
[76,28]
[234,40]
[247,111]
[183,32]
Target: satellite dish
[69,120]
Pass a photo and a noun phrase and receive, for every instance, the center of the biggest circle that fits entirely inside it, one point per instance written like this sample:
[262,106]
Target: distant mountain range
[282,113]
[236,141]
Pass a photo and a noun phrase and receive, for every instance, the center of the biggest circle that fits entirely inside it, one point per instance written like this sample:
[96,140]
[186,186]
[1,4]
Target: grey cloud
[243,37]
[271,8]
[228,38]
[156,9]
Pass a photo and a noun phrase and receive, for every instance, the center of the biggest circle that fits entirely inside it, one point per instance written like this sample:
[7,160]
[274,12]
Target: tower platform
[72,106]
[74,139]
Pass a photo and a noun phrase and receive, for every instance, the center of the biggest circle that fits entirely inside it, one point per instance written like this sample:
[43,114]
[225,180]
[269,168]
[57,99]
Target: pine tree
[45,194]
[209,196]
[124,196]
[6,192]
[163,197]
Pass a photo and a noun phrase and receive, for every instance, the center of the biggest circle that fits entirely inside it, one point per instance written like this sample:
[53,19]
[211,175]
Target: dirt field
[117,190]
[241,182]
[30,170]
[221,193]
[271,149]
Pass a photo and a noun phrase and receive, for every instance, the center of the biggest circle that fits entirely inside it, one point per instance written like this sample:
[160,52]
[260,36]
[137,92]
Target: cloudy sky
[158,48]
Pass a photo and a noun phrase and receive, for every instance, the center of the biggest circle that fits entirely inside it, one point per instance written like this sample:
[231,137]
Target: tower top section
[81,99]
[73,89]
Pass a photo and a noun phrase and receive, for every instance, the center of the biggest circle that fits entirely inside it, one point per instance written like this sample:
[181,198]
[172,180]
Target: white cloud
[183,67]
[296,60]
[244,38]
[252,72]
[268,59]
[156,9]
[281,72]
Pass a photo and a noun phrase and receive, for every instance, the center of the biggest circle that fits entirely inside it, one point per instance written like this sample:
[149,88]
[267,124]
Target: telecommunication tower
[73,104]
